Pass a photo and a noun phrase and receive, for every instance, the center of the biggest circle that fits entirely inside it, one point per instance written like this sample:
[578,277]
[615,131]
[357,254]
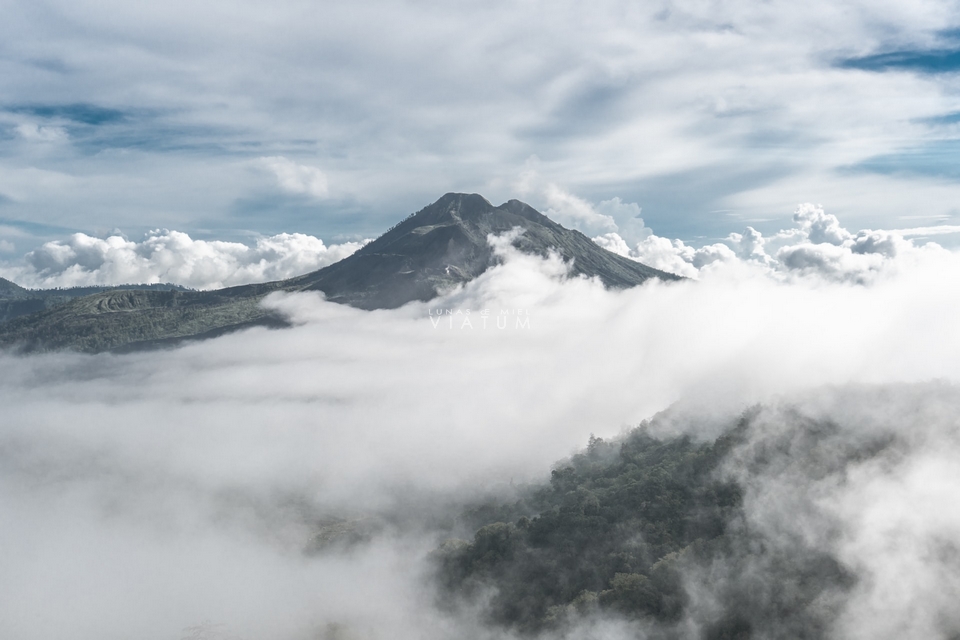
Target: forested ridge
[618,530]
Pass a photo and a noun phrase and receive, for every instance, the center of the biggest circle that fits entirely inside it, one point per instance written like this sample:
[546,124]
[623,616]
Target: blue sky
[232,120]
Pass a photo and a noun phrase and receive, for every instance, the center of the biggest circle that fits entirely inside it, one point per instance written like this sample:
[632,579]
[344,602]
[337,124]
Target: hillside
[647,529]
[16,301]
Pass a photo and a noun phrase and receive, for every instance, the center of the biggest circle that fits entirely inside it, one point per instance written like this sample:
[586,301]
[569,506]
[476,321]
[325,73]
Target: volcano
[428,253]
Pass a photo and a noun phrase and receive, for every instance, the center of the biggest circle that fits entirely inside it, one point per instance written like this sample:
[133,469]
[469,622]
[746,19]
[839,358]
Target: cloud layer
[173,257]
[818,247]
[844,523]
[169,493]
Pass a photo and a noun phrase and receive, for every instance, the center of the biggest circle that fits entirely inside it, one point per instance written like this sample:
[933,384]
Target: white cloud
[818,226]
[819,247]
[668,255]
[574,212]
[725,107]
[6,246]
[173,257]
[559,204]
[626,215]
[296,178]
[41,133]
[177,487]
[857,475]
[929,231]
[749,245]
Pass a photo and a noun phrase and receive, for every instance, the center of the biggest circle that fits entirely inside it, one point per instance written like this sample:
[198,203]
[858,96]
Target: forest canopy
[620,529]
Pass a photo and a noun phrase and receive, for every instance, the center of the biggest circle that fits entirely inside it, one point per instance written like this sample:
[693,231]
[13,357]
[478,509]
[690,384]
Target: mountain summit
[445,244]
[430,252]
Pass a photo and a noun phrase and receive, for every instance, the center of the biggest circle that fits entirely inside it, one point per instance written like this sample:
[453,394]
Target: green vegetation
[15,301]
[131,319]
[608,532]
[624,528]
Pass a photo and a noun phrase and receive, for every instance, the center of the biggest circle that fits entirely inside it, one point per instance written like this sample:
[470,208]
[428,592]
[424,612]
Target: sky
[235,121]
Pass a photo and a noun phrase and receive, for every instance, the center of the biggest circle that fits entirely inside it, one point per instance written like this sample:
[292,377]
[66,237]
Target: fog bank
[171,493]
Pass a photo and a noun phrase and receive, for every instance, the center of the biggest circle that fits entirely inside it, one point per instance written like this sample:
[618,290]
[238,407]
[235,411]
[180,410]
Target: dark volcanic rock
[446,244]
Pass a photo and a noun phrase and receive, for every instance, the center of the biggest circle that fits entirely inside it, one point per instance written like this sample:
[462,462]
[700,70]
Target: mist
[180,493]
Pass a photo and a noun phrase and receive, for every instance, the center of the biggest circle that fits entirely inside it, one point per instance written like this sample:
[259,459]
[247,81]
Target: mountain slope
[439,247]
[11,290]
[651,528]
[16,301]
[130,319]
[445,244]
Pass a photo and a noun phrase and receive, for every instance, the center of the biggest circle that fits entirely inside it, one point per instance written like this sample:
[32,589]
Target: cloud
[575,212]
[929,231]
[818,247]
[682,108]
[168,494]
[171,256]
[818,226]
[296,178]
[668,255]
[150,494]
[857,479]
[627,216]
[40,133]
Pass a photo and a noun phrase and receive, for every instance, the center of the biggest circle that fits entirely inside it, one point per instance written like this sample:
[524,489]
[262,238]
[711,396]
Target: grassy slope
[117,319]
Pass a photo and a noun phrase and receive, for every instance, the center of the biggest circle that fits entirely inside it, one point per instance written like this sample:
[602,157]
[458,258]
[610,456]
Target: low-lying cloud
[818,246]
[172,257]
[171,493]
